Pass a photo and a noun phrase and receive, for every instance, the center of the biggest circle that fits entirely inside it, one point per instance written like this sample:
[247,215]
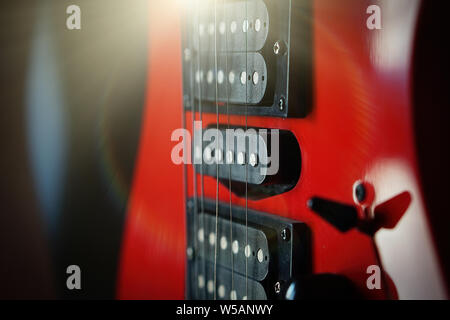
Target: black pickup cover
[258,183]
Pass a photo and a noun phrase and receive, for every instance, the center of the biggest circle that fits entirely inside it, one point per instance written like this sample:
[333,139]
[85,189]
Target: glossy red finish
[153,251]
[360,124]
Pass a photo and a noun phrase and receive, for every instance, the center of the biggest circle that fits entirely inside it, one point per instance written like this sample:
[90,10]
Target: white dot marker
[223,243]
[257,25]
[201,281]
[220,77]
[243,77]
[255,77]
[245,26]
[230,157]
[212,238]
[222,27]
[253,159]
[197,76]
[247,251]
[210,286]
[210,76]
[235,247]
[241,158]
[231,77]
[233,295]
[233,26]
[260,255]
[221,291]
[201,235]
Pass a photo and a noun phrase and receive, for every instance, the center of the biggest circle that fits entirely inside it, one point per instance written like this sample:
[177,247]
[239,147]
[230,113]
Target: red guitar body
[360,129]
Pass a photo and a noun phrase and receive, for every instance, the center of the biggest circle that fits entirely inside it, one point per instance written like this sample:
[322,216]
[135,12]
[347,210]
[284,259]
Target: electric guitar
[278,157]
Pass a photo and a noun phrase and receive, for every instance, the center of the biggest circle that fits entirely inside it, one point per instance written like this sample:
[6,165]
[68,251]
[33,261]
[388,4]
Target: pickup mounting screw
[277,287]
[279,48]
[190,253]
[281,104]
[285,234]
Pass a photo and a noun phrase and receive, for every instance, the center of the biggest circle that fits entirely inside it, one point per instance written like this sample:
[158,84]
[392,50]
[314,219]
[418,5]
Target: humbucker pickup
[231,86]
[249,57]
[266,161]
[254,254]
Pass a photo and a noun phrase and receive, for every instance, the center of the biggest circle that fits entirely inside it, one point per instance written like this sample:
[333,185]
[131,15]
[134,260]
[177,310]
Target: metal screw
[279,48]
[276,48]
[277,287]
[190,253]
[360,192]
[281,104]
[285,234]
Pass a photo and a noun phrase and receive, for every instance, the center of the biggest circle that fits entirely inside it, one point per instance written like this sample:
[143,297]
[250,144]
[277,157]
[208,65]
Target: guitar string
[195,211]
[200,84]
[185,174]
[246,167]
[227,150]
[216,149]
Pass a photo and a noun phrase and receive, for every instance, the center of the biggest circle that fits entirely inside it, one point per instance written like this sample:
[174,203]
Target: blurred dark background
[431,114]
[71,105]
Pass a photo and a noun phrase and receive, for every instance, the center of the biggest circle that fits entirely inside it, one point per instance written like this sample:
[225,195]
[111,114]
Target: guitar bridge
[253,255]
